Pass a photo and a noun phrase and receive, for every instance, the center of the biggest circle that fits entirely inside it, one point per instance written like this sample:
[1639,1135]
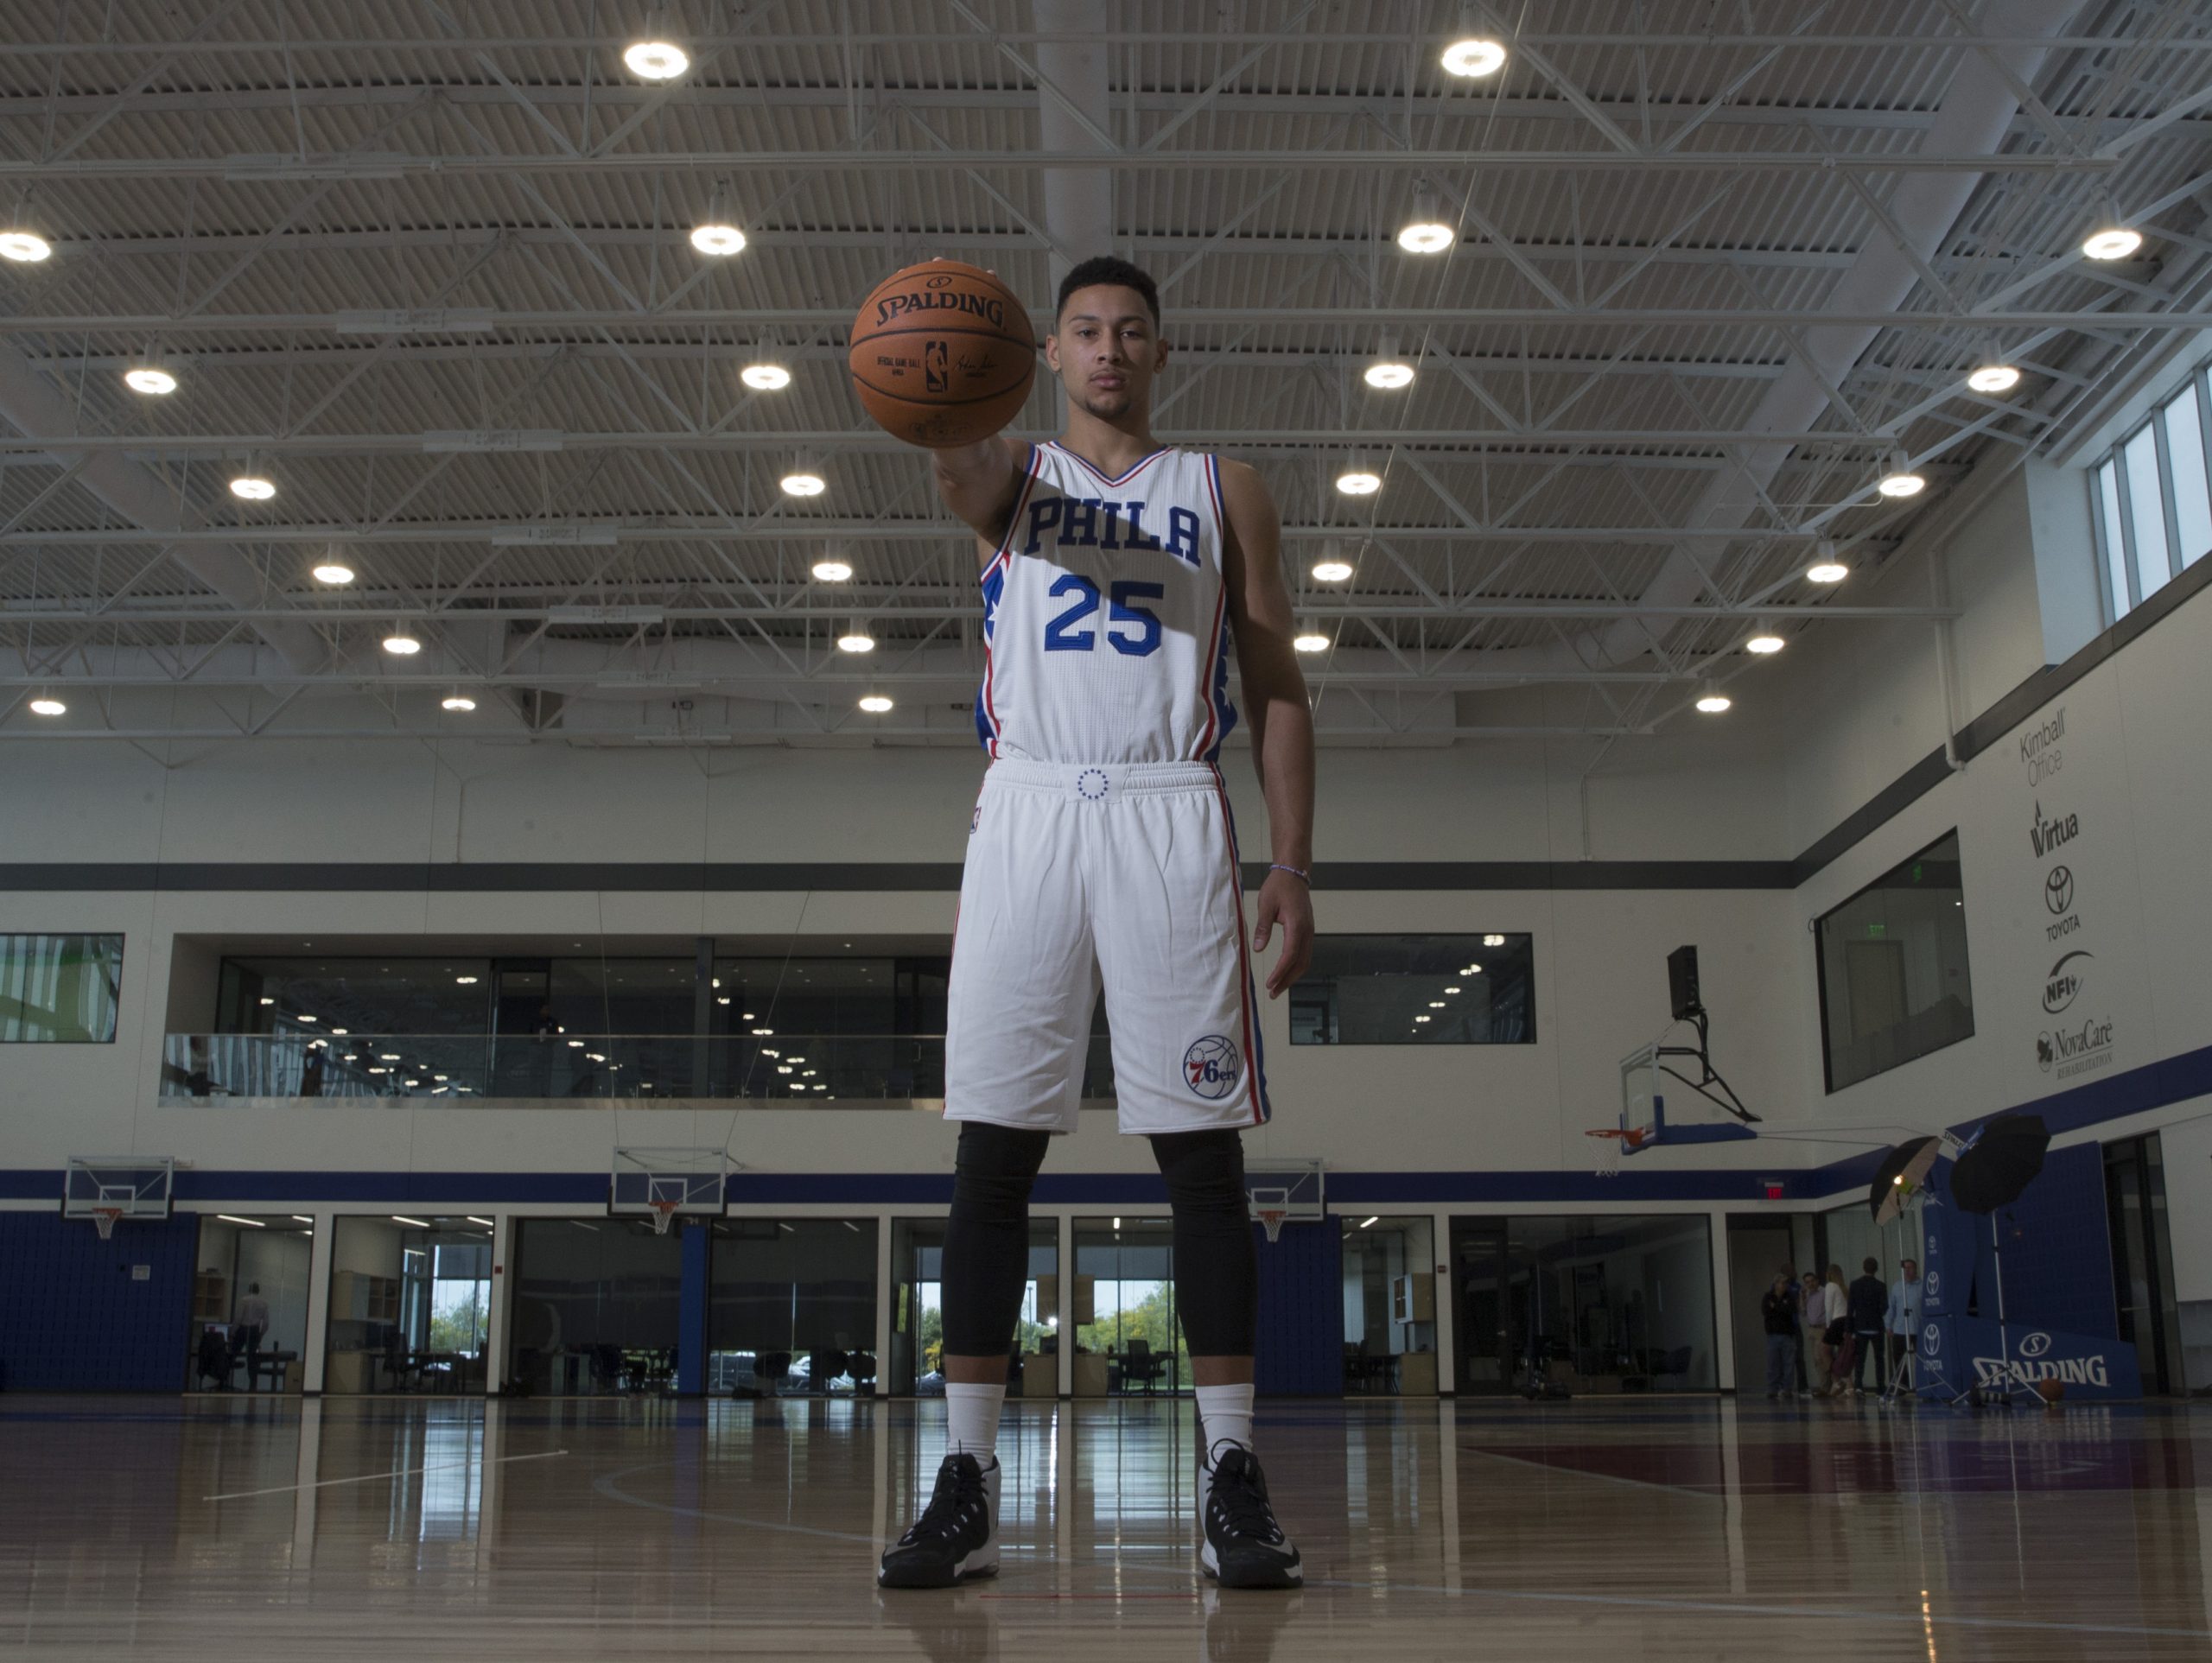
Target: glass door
[1491,1326]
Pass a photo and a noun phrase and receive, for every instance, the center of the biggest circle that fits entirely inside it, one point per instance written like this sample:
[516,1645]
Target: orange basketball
[942,354]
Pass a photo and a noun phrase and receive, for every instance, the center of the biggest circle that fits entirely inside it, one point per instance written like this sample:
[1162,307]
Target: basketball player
[1114,574]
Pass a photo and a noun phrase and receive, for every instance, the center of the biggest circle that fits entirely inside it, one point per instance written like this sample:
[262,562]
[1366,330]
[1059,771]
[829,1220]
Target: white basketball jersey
[1105,616]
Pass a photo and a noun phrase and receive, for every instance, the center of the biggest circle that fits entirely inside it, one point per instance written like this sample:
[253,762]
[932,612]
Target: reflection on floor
[1685,1528]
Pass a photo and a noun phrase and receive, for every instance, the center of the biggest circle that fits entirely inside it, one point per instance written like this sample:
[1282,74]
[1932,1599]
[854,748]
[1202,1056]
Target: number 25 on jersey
[1130,630]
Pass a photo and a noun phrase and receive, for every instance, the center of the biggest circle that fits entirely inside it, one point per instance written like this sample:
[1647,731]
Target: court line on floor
[608,1485]
[370,1477]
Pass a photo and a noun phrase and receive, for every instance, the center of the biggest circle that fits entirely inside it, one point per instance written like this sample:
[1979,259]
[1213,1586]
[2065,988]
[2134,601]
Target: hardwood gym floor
[1609,1529]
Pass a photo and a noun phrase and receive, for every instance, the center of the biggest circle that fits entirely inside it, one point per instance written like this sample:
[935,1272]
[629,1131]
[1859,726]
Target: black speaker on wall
[1681,983]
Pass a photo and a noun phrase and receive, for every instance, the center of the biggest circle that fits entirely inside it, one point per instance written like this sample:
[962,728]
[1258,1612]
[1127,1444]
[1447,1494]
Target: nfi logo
[2065,981]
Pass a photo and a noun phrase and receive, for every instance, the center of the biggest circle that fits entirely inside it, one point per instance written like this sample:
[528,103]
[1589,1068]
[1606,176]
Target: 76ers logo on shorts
[1212,1067]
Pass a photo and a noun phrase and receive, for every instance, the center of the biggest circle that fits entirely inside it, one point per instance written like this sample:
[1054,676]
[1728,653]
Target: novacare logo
[2049,834]
[2077,1051]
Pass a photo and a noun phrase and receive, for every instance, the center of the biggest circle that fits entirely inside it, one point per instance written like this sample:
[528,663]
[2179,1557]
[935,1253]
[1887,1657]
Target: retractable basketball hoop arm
[1709,1077]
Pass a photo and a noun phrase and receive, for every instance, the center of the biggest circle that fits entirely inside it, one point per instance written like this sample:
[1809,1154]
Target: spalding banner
[1959,1353]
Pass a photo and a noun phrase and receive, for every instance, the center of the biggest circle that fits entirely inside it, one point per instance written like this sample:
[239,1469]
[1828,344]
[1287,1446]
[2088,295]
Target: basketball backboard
[1277,1192]
[120,1186]
[652,1184]
[1644,1079]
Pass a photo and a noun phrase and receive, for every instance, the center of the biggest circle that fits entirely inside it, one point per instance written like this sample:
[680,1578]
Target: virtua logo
[2049,834]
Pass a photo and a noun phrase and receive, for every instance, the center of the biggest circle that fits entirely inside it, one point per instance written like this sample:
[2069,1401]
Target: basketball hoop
[103,1220]
[1613,1142]
[664,1214]
[1271,1220]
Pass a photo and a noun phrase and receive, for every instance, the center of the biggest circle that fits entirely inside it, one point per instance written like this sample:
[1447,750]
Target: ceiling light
[1333,568]
[233,1218]
[1426,232]
[1310,642]
[388,1056]
[801,483]
[49,707]
[301,1218]
[1825,567]
[766,377]
[1388,374]
[657,61]
[341,1031]
[1993,379]
[874,704]
[1421,1018]
[25,246]
[463,702]
[856,638]
[464,981]
[1358,482]
[576,1044]
[1472,58]
[419,1223]
[253,487]
[1453,988]
[1764,644]
[1493,941]
[713,238]
[2110,241]
[149,379]
[402,645]
[331,572]
[832,571]
[1898,480]
[1435,1004]
[1712,701]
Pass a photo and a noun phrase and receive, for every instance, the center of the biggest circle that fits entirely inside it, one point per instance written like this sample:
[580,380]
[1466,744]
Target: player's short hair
[1106,269]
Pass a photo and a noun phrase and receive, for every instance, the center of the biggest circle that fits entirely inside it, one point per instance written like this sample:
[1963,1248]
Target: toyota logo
[1931,1337]
[2058,889]
[2034,1345]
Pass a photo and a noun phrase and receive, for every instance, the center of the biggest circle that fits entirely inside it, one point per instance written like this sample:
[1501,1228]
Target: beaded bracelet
[1304,878]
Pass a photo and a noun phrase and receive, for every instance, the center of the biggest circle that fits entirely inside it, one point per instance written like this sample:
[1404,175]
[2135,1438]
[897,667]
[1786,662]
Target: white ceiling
[1711,270]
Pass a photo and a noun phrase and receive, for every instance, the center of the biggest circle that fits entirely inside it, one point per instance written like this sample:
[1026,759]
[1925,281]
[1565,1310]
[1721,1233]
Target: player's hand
[1287,901]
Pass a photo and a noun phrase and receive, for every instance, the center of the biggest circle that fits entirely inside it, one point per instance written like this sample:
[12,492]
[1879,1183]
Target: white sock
[972,1419]
[1225,1414]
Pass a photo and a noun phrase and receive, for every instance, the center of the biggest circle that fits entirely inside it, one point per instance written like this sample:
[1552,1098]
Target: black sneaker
[1240,1543]
[957,1535]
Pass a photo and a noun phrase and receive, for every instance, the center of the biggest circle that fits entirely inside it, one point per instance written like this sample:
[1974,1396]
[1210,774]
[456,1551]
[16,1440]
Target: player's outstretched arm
[980,483]
[1275,705]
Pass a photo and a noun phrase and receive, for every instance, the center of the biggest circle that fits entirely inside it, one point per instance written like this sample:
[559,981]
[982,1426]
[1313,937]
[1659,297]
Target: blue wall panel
[1301,1344]
[2056,1245]
[73,1318]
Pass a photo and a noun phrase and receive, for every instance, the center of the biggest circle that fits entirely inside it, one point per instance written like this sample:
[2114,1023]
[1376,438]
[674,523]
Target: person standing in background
[1778,1312]
[1869,1302]
[1835,1300]
[1813,1319]
[1903,1320]
[250,1323]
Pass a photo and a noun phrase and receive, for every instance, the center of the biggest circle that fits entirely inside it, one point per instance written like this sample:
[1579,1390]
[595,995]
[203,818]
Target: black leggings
[986,1238]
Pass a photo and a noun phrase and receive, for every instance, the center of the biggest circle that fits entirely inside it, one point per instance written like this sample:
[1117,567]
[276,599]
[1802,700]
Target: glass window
[2115,541]
[1128,1338]
[250,1303]
[792,1310]
[596,1306]
[917,1311]
[1594,1304]
[409,1301]
[1417,990]
[2147,504]
[373,995]
[2185,459]
[1893,975]
[1389,1305]
[59,989]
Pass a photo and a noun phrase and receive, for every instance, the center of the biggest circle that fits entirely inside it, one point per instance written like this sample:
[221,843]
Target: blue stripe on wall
[2134,1091]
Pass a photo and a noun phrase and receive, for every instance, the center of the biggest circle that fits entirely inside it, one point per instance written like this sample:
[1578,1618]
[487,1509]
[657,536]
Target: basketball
[942,354]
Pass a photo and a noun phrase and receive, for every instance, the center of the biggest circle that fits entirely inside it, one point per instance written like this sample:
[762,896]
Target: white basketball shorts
[1120,876]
